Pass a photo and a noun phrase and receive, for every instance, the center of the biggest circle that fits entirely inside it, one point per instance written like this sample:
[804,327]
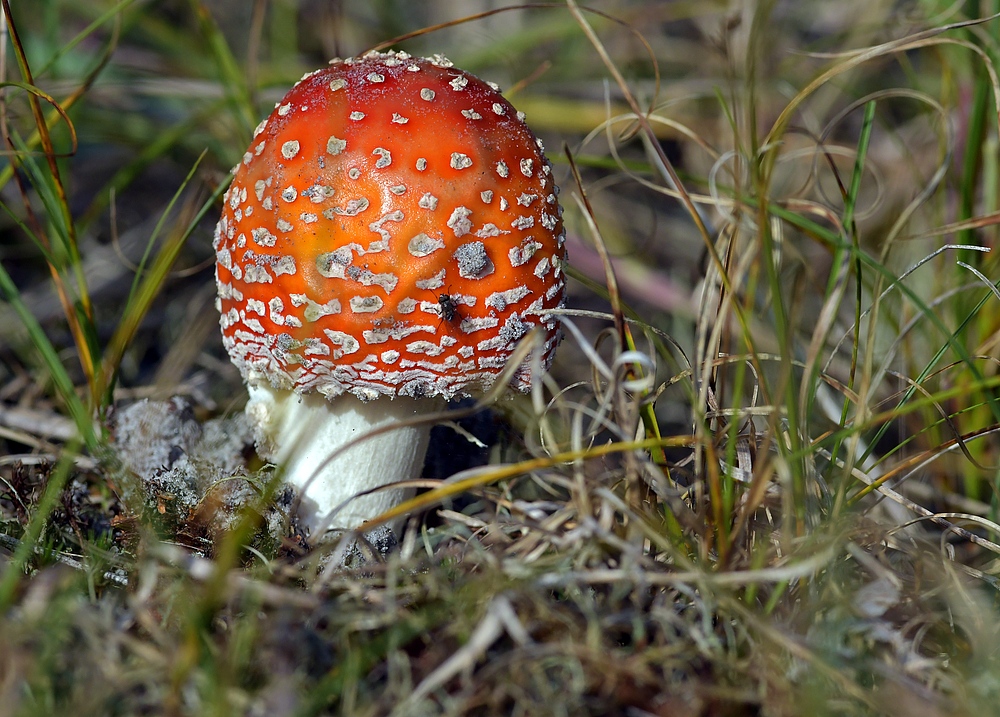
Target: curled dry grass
[766,490]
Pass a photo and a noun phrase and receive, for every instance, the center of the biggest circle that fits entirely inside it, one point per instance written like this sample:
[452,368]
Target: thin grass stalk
[834,287]
[476,478]
[36,232]
[637,491]
[714,327]
[232,79]
[727,532]
[113,12]
[78,315]
[953,339]
[155,149]
[62,107]
[57,372]
[971,187]
[146,287]
[56,175]
[760,179]
[975,135]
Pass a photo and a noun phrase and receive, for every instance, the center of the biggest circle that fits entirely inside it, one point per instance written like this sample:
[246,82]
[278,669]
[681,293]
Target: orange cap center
[392,229]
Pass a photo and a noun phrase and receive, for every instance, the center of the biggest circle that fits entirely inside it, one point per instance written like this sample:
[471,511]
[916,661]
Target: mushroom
[388,237]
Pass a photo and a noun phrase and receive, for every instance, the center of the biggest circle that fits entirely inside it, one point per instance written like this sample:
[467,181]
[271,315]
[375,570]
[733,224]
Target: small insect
[447,307]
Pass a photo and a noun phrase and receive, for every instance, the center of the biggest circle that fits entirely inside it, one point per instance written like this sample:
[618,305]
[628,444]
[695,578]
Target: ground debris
[193,478]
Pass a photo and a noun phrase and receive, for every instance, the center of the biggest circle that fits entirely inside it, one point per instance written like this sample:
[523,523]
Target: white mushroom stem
[300,433]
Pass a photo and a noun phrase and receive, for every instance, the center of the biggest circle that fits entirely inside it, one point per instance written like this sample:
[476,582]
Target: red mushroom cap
[393,229]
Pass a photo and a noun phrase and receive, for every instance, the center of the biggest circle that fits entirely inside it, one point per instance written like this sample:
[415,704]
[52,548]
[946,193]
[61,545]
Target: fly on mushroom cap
[393,229]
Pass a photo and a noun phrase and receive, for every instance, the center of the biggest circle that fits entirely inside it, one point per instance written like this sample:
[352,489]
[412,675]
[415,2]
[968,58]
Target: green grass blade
[83,35]
[50,357]
[148,284]
[231,77]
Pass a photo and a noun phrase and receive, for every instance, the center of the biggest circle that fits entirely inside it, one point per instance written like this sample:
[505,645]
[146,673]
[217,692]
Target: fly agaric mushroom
[388,237]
